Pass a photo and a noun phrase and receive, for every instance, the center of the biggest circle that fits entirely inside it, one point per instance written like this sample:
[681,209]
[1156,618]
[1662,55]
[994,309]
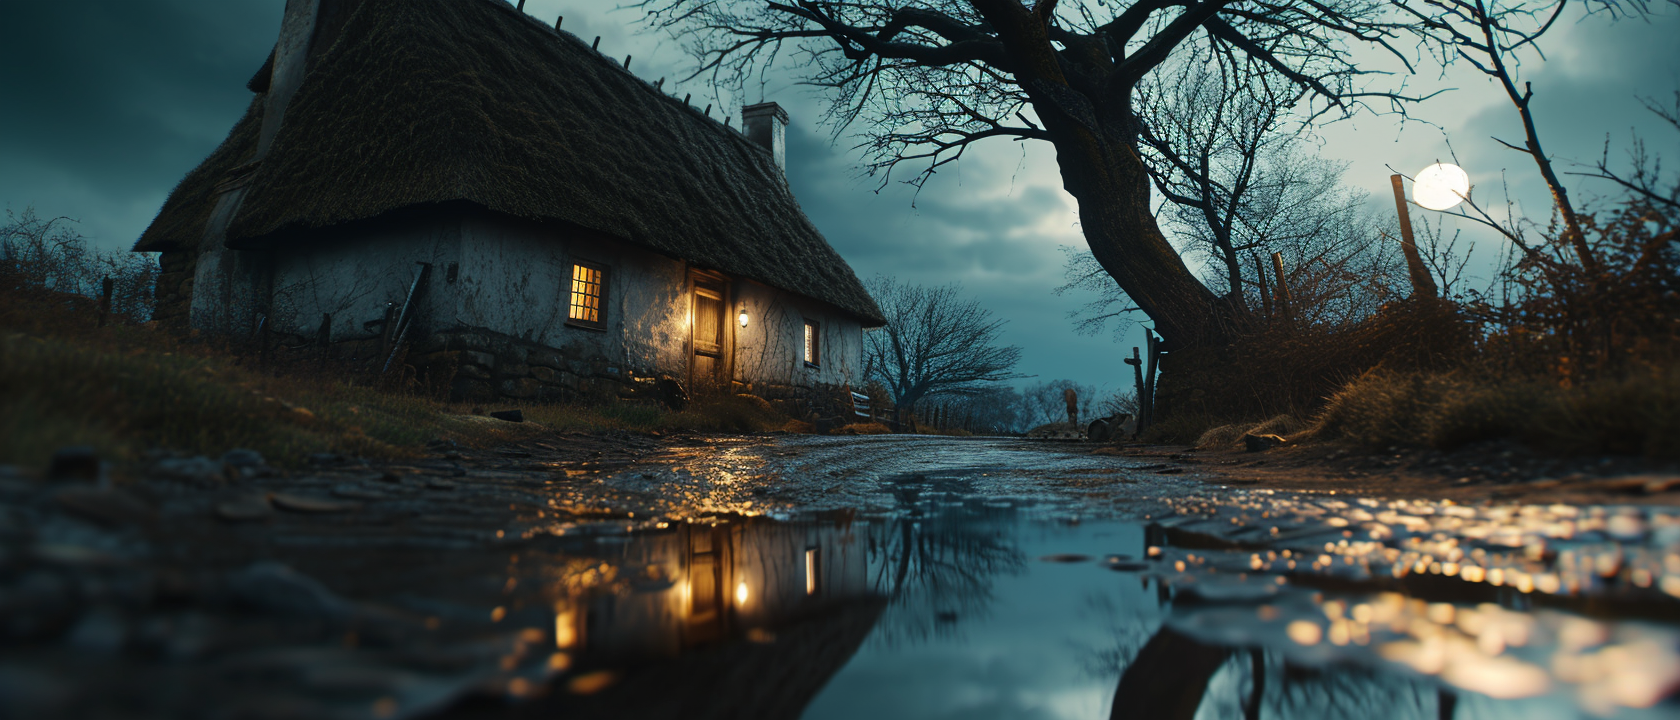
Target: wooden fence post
[106,287]
[1282,292]
[324,336]
[1137,377]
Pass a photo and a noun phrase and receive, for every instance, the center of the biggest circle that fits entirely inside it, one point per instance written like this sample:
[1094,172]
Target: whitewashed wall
[352,274]
[771,348]
[515,280]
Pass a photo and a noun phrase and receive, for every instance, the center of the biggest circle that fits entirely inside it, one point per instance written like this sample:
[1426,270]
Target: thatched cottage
[476,193]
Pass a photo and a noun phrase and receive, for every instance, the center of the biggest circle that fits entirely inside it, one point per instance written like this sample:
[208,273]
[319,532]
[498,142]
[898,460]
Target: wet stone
[310,504]
[245,509]
[198,470]
[359,492]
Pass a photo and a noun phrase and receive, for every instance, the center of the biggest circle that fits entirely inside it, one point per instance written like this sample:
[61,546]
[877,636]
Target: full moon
[1440,186]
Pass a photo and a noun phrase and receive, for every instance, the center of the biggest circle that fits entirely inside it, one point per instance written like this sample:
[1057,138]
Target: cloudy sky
[106,104]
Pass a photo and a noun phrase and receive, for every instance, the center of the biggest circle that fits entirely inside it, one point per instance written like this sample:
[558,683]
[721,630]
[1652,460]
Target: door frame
[725,361]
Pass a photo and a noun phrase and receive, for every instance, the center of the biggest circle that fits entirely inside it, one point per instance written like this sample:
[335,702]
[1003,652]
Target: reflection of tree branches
[938,569]
[1124,629]
[1346,691]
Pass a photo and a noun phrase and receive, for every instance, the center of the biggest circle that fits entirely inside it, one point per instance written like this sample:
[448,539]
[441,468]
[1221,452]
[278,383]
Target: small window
[588,306]
[812,568]
[813,344]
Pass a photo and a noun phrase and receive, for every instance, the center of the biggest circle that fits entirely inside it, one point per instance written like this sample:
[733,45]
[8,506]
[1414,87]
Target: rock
[108,506]
[325,458]
[514,415]
[1098,431]
[1262,443]
[245,509]
[672,394]
[544,374]
[77,462]
[307,504]
[275,588]
[357,492]
[200,470]
[242,458]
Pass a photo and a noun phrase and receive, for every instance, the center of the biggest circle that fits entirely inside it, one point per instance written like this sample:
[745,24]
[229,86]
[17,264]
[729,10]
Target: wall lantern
[1440,187]
[743,316]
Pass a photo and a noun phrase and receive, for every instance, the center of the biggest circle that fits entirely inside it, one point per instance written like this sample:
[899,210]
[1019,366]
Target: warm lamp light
[741,594]
[743,316]
[1440,186]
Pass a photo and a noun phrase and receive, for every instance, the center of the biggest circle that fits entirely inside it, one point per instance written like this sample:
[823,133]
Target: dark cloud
[110,101]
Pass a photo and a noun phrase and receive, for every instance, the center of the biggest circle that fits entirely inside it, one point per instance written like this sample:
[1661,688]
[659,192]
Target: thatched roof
[180,223]
[433,101]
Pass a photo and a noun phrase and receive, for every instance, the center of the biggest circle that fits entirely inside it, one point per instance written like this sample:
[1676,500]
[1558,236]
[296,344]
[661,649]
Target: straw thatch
[420,102]
[179,225]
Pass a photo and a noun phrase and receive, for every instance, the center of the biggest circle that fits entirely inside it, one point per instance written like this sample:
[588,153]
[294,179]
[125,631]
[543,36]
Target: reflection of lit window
[812,342]
[588,295]
[811,571]
[565,629]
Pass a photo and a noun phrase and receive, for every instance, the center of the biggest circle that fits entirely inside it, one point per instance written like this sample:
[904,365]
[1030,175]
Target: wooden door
[708,330]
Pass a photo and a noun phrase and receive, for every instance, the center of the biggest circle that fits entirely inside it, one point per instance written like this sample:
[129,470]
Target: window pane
[585,297]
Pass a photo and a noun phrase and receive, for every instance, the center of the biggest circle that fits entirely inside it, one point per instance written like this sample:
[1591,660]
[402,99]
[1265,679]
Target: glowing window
[813,341]
[588,295]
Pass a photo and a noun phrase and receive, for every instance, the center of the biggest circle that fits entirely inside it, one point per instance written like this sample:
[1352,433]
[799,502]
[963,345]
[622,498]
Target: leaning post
[1422,284]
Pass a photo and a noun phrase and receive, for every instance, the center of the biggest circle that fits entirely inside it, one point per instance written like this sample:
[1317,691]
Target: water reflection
[955,606]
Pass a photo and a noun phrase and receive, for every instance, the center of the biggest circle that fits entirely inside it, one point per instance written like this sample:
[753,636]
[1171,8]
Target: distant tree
[1045,403]
[49,254]
[935,342]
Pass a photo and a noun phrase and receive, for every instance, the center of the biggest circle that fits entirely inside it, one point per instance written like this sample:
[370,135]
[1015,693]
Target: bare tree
[1266,196]
[49,254]
[1492,36]
[935,342]
[927,79]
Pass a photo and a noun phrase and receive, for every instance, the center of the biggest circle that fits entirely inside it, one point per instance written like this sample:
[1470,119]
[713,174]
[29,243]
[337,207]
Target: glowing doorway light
[1440,186]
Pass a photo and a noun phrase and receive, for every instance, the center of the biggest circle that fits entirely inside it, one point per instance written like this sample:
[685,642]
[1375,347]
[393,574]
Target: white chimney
[766,124]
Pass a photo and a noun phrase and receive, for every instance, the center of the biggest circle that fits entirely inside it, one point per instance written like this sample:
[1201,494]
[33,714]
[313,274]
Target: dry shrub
[1633,414]
[1284,370]
[798,427]
[1226,437]
[863,428]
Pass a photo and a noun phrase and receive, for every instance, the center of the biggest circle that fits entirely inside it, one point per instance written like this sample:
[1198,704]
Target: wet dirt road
[817,577]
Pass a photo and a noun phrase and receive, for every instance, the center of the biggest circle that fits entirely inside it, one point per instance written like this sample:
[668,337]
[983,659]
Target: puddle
[964,607]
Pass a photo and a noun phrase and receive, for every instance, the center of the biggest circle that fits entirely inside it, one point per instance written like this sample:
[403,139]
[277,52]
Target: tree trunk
[1109,182]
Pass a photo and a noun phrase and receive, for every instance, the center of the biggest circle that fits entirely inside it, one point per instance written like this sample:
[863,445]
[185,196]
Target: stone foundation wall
[825,406]
[485,366]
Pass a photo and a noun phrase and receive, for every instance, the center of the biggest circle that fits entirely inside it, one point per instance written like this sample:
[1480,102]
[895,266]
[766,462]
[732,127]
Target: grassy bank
[1635,414]
[126,389]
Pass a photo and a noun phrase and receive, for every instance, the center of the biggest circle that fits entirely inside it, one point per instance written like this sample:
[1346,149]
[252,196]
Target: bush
[1632,414]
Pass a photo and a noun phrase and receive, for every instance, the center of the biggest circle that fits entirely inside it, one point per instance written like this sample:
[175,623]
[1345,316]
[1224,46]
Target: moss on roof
[433,101]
